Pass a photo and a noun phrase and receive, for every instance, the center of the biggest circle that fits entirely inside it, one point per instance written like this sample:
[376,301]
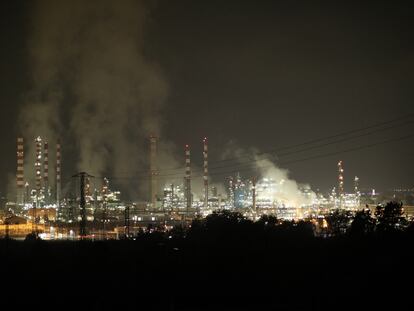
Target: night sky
[263,74]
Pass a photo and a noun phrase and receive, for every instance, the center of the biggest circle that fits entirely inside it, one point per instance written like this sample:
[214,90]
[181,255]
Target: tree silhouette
[224,216]
[410,228]
[390,217]
[304,229]
[338,221]
[268,220]
[178,232]
[362,224]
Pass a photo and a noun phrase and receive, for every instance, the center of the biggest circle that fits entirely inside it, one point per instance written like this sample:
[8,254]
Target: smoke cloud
[91,80]
[287,191]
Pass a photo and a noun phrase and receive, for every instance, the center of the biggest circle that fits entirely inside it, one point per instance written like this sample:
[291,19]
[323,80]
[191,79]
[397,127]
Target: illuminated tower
[254,197]
[333,197]
[187,178]
[205,172]
[58,173]
[239,192]
[87,189]
[38,167]
[46,171]
[26,192]
[105,188]
[153,171]
[231,192]
[20,172]
[357,192]
[340,184]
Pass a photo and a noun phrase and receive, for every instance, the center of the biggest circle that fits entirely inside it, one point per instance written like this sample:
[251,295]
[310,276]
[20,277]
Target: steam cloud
[288,191]
[92,81]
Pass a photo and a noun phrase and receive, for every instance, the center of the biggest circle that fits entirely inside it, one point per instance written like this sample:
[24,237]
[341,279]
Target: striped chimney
[20,171]
[46,170]
[205,173]
[340,183]
[58,173]
[153,170]
[188,177]
[38,164]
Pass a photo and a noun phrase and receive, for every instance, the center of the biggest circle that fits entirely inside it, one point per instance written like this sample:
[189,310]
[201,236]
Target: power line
[321,155]
[322,145]
[407,116]
[275,150]
[252,165]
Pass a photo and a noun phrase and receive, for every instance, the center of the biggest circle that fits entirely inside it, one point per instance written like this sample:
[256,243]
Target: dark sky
[265,74]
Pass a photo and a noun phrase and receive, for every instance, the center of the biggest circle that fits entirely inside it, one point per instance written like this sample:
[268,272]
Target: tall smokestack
[46,171]
[205,176]
[58,173]
[20,172]
[153,170]
[38,166]
[356,191]
[188,177]
[254,197]
[340,183]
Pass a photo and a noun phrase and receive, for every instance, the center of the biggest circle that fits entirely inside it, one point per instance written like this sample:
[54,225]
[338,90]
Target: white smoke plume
[251,162]
[92,81]
[288,191]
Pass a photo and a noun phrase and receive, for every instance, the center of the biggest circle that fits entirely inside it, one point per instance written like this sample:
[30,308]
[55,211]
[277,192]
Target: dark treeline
[223,262]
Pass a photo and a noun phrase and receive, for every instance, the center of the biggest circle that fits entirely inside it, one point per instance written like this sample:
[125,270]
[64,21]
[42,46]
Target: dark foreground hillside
[222,273]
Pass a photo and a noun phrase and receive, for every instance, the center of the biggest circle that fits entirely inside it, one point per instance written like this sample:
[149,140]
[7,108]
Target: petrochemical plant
[100,213]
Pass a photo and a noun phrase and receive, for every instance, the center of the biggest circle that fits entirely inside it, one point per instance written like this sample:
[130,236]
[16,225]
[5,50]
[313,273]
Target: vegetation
[224,262]
[390,217]
[363,224]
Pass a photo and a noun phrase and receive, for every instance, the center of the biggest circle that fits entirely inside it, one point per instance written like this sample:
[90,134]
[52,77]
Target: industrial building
[101,208]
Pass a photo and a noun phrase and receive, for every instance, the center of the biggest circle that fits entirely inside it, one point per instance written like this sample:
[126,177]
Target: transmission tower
[82,203]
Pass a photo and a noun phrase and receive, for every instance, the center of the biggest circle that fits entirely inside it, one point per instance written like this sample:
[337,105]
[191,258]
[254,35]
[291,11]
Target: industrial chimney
[153,171]
[20,172]
[187,178]
[38,167]
[46,171]
[205,172]
[58,173]
[340,184]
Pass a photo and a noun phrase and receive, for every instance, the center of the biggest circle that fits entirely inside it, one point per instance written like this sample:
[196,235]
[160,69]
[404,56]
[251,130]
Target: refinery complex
[100,212]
